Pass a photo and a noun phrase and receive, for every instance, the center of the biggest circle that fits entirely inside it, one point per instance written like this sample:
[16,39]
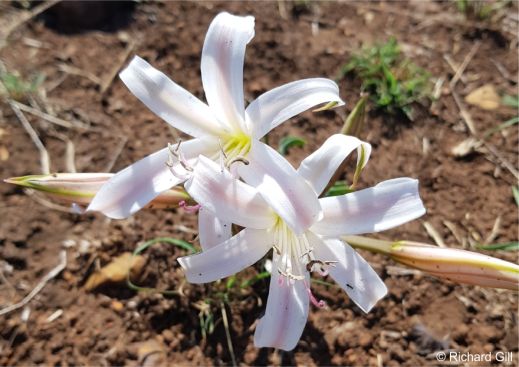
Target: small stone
[383,344]
[488,348]
[168,335]
[352,358]
[117,306]
[460,334]
[69,243]
[37,355]
[84,246]
[68,276]
[365,340]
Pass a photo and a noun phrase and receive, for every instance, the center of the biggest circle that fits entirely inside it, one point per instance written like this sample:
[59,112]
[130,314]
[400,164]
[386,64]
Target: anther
[178,145]
[238,159]
[174,150]
[311,263]
[290,276]
[307,253]
[183,161]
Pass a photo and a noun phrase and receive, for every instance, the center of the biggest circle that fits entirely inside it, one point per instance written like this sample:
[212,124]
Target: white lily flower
[222,129]
[295,255]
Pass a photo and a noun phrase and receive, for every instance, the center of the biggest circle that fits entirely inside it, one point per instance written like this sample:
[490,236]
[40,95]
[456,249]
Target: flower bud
[80,188]
[457,265]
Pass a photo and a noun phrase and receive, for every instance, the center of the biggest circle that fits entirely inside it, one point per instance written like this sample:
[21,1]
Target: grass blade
[515,191]
[502,126]
[339,188]
[507,246]
[288,142]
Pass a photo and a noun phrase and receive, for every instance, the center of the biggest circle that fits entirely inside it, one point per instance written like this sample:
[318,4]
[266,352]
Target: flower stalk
[457,265]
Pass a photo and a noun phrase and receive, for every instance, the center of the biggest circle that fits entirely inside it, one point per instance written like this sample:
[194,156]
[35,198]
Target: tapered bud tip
[21,180]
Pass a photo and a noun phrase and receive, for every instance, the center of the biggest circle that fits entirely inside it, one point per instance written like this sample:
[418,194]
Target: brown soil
[419,316]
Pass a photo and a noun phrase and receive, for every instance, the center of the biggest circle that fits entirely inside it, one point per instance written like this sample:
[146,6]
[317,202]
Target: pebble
[352,358]
[168,335]
[37,356]
[365,340]
[117,306]
[460,333]
[488,348]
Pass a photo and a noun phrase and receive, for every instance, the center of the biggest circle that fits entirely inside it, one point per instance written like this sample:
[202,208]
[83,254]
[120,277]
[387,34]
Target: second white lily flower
[316,248]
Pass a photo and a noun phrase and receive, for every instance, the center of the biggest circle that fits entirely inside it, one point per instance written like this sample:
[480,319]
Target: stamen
[183,161]
[330,262]
[237,159]
[177,153]
[222,157]
[189,208]
[290,276]
[322,266]
[297,259]
[307,253]
[221,148]
[172,150]
[310,265]
[174,173]
[295,277]
[178,145]
[276,248]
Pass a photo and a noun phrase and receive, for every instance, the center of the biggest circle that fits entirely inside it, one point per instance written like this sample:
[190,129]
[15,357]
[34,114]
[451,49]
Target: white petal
[319,167]
[174,104]
[384,206]
[352,273]
[230,199]
[227,258]
[286,314]
[279,104]
[211,230]
[282,187]
[135,186]
[222,66]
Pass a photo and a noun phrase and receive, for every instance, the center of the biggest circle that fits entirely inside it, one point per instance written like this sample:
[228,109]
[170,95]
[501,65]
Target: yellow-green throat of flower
[235,148]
